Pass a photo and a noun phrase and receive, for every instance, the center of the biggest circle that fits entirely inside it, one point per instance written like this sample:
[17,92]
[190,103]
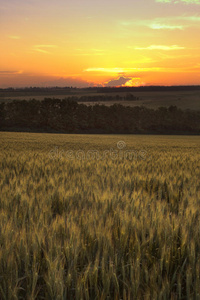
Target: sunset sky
[104,43]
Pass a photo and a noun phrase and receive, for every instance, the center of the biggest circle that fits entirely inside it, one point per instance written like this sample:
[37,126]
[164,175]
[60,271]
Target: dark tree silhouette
[66,115]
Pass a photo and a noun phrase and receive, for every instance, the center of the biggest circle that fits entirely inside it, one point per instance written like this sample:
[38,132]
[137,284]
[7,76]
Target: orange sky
[86,43]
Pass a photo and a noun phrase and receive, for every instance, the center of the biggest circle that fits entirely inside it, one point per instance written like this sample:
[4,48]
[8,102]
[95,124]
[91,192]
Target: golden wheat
[99,229]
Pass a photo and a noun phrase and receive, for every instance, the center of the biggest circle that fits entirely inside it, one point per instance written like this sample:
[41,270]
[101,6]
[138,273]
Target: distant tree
[68,116]
[2,114]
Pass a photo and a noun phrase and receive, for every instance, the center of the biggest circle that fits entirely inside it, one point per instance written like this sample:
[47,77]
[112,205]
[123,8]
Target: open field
[183,100]
[154,99]
[102,225]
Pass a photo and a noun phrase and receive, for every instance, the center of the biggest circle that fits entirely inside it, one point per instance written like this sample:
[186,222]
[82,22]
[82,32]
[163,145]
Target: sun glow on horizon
[134,82]
[82,44]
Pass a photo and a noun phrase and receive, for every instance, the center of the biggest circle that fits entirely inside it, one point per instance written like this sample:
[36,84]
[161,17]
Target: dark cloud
[9,72]
[26,80]
[117,82]
[61,82]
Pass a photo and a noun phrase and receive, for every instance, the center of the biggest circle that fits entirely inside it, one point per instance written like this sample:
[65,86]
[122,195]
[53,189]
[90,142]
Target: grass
[99,229]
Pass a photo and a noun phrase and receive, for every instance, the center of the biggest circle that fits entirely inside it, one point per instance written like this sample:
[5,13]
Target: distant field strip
[182,99]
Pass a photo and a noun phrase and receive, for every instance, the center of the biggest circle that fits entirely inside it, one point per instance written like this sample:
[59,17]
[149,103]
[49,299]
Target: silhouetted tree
[68,116]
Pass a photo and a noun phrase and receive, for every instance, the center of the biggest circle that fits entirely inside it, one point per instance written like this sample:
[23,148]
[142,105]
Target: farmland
[121,222]
[182,98]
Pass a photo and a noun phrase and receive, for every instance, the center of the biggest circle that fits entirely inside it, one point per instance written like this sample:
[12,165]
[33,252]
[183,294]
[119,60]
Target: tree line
[68,116]
[104,98]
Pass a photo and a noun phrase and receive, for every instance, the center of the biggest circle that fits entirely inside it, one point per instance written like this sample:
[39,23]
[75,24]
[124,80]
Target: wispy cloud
[45,46]
[172,23]
[158,23]
[89,52]
[195,18]
[160,47]
[165,26]
[180,1]
[5,73]
[165,23]
[42,51]
[121,70]
[41,48]
[105,70]
[130,71]
[14,37]
[140,59]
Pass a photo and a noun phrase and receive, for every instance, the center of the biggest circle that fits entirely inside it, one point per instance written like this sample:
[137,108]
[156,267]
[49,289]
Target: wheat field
[74,226]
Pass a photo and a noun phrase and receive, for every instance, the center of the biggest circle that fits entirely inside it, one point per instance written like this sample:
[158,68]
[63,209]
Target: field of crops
[182,99]
[99,217]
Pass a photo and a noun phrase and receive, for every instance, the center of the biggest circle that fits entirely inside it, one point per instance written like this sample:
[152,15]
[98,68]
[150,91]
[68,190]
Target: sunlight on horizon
[91,43]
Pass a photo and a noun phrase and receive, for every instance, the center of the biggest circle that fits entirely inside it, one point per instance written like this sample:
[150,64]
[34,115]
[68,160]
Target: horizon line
[97,87]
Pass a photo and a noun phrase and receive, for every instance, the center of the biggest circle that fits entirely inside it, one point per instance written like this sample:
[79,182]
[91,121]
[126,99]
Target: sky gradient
[99,43]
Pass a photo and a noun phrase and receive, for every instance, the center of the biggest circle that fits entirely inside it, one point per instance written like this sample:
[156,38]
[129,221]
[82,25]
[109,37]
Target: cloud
[165,26]
[3,73]
[45,46]
[173,23]
[66,81]
[89,52]
[135,81]
[158,23]
[14,37]
[165,23]
[38,48]
[105,70]
[160,47]
[20,79]
[42,51]
[124,81]
[120,70]
[117,82]
[180,1]
[92,49]
[191,18]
